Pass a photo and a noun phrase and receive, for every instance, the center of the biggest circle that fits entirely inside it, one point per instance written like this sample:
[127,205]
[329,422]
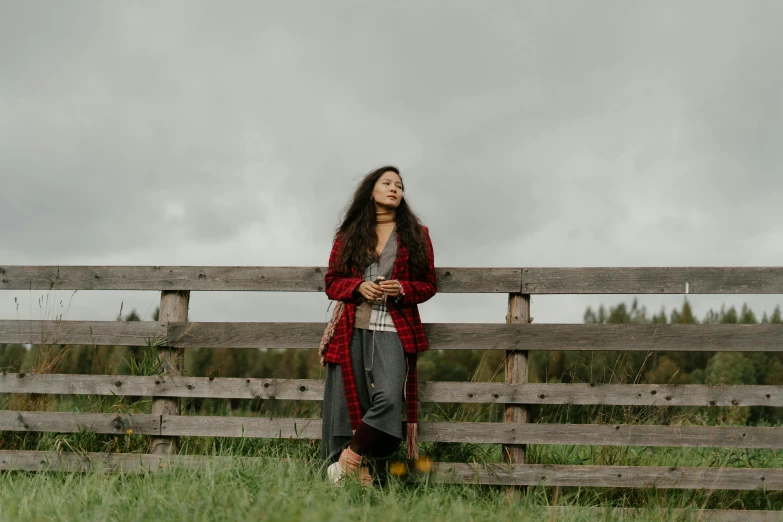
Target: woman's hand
[370,291]
[392,288]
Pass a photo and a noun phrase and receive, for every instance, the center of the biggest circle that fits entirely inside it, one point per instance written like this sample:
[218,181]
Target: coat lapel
[400,270]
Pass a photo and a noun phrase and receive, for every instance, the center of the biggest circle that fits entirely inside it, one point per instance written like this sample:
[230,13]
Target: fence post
[173,308]
[516,373]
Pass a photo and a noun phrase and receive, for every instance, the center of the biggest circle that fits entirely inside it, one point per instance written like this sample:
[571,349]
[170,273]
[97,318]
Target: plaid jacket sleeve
[339,287]
[420,291]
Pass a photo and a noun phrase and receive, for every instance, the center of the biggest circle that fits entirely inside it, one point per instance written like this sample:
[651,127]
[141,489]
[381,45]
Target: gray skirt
[383,404]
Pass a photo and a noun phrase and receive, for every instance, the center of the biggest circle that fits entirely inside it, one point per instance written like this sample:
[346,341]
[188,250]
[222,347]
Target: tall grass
[274,489]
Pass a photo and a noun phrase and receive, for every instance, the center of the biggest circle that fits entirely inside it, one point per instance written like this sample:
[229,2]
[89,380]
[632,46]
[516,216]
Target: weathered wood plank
[246,335]
[478,280]
[233,278]
[653,280]
[307,335]
[110,462]
[281,428]
[474,432]
[516,374]
[609,394]
[442,336]
[478,336]
[578,280]
[163,386]
[173,307]
[494,433]
[502,474]
[99,333]
[702,515]
[437,391]
[604,435]
[613,476]
[66,422]
[203,278]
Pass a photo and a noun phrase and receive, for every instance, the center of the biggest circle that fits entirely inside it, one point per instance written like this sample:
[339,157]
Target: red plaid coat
[404,313]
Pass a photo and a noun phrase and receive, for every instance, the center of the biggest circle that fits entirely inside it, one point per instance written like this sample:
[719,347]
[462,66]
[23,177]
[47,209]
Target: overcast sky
[541,133]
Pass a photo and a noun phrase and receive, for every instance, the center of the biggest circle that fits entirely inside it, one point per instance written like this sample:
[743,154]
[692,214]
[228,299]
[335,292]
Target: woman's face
[387,192]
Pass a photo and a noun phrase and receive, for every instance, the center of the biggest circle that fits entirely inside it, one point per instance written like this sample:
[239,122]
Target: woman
[381,267]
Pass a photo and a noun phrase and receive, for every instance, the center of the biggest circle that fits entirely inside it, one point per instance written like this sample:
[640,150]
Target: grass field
[275,490]
[288,485]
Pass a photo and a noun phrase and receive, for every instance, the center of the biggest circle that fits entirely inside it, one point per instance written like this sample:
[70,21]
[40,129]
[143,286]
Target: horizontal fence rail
[631,280]
[438,391]
[89,333]
[441,336]
[228,278]
[470,432]
[659,477]
[531,474]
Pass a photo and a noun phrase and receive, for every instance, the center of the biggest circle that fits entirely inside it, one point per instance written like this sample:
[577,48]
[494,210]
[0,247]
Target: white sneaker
[335,472]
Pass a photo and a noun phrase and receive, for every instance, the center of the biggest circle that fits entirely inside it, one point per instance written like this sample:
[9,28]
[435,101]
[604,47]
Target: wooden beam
[609,394]
[653,280]
[764,479]
[65,422]
[229,278]
[577,280]
[112,462]
[663,513]
[476,336]
[437,391]
[89,333]
[253,427]
[441,336]
[246,335]
[603,435]
[163,386]
[173,308]
[473,432]
[515,375]
[158,278]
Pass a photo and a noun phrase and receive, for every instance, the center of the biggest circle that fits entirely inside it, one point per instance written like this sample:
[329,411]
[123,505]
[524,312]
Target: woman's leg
[363,439]
[373,443]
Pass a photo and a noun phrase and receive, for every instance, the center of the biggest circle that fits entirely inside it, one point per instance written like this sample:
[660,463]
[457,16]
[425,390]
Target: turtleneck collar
[387,216]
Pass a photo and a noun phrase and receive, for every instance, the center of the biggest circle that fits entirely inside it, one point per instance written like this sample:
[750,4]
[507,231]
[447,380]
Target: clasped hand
[373,292]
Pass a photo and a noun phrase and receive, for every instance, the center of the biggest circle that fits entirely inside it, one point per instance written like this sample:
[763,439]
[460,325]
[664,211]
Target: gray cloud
[537,134]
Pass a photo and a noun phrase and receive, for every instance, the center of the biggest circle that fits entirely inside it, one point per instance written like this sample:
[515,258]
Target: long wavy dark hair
[357,231]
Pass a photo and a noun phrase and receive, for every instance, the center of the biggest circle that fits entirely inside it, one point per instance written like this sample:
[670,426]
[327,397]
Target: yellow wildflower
[424,464]
[398,468]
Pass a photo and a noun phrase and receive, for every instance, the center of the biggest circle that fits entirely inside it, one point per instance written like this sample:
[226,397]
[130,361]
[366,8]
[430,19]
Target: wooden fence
[516,338]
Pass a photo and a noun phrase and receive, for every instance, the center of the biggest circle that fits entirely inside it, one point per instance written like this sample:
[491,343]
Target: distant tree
[730,368]
[684,316]
[747,316]
[660,318]
[776,316]
[729,316]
